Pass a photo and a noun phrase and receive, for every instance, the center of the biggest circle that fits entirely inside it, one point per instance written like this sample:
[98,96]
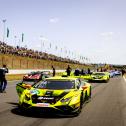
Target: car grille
[45,99]
[98,77]
[65,108]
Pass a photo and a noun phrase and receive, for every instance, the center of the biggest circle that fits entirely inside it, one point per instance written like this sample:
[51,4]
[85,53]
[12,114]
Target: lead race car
[61,94]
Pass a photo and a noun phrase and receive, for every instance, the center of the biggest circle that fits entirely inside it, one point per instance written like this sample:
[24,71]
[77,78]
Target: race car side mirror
[84,87]
[28,86]
[78,86]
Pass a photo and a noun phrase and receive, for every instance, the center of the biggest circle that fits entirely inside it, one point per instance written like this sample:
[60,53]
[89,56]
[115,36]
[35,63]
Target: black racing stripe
[21,86]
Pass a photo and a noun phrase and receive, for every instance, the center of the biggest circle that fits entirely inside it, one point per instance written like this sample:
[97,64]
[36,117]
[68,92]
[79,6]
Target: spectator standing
[54,71]
[123,72]
[101,70]
[77,72]
[68,70]
[89,71]
[82,72]
[3,80]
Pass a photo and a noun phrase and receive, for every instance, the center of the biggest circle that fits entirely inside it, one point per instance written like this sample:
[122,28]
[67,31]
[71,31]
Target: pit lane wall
[18,62]
[17,72]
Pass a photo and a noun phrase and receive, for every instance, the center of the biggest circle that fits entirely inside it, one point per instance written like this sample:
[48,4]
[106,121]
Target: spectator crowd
[25,52]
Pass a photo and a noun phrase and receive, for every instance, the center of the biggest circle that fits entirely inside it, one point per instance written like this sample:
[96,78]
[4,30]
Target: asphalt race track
[106,108]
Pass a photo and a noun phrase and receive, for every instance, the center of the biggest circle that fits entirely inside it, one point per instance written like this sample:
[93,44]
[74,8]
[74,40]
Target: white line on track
[124,78]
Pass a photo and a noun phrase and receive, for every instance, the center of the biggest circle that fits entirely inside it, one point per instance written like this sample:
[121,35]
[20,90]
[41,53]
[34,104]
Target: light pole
[4,21]
[41,43]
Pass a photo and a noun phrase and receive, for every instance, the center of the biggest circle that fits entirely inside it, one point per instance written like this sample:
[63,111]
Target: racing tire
[80,108]
[22,109]
[90,93]
[82,99]
[86,97]
[106,81]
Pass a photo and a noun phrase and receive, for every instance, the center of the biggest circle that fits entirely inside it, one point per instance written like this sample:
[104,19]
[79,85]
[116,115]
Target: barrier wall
[18,62]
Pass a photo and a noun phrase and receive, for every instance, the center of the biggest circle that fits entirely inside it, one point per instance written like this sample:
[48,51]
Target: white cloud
[107,34]
[42,38]
[54,20]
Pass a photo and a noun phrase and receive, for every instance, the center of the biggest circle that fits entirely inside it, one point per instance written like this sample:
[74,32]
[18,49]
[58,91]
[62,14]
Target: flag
[66,51]
[7,32]
[43,44]
[22,38]
[56,47]
[50,45]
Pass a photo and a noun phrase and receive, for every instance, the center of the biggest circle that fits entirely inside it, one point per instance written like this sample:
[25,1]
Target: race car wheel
[82,98]
[90,93]
[81,101]
[86,97]
[106,81]
[22,109]
[80,107]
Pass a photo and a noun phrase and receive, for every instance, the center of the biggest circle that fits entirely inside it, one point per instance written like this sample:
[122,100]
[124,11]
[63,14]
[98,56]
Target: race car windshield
[29,82]
[56,85]
[98,74]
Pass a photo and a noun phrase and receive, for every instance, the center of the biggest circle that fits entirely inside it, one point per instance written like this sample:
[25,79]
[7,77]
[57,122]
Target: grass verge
[14,77]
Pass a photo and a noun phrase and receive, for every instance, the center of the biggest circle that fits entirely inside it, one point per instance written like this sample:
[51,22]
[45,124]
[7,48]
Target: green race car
[61,94]
[100,76]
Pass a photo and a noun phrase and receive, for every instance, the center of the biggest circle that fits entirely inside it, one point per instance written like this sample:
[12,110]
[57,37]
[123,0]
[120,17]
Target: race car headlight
[64,100]
[34,92]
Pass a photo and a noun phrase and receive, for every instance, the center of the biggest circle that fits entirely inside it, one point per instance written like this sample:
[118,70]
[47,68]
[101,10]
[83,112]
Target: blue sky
[95,29]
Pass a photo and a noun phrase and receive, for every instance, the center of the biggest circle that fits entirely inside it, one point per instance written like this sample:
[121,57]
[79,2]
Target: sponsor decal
[45,98]
[49,93]
[43,104]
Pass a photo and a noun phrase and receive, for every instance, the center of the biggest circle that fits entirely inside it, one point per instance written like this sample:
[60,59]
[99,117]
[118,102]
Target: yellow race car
[59,94]
[79,75]
[100,76]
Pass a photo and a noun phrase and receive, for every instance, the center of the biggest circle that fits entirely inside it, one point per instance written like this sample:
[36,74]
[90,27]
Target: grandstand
[23,58]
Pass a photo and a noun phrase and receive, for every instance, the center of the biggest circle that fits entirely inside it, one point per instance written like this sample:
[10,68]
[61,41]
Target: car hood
[48,92]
